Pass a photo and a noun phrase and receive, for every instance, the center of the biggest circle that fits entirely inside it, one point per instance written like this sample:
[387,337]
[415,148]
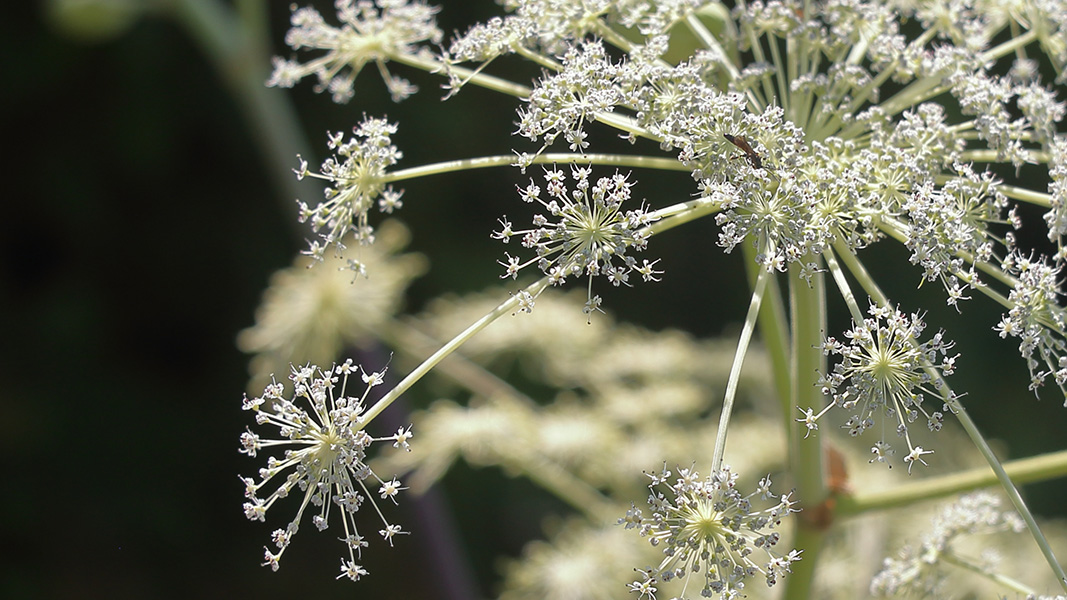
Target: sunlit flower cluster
[885,371]
[566,103]
[1034,315]
[709,531]
[370,32]
[807,130]
[585,231]
[356,173]
[324,459]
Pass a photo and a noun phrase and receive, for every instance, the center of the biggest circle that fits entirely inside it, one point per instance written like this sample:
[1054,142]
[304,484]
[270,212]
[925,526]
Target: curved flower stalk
[811,130]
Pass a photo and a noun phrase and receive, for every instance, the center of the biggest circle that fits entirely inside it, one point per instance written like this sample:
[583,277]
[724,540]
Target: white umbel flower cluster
[324,458]
[711,533]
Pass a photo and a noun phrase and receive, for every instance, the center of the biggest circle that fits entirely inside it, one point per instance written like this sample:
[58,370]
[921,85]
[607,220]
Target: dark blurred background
[142,222]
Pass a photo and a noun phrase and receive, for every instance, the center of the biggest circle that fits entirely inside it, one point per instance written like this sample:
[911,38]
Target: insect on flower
[739,141]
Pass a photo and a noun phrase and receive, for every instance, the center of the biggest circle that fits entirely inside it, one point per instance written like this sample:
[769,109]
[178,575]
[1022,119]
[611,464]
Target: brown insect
[739,141]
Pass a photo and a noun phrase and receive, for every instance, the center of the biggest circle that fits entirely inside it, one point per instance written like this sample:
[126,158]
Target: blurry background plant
[135,265]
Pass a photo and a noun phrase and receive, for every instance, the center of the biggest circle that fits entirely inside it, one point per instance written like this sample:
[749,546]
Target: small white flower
[390,489]
[401,437]
[916,454]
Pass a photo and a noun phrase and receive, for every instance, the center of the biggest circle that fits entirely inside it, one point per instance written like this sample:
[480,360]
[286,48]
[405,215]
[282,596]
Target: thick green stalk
[807,304]
[1025,470]
[774,333]
[808,318]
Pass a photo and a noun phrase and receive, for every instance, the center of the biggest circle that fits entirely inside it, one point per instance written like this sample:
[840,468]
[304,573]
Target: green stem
[780,68]
[1041,199]
[843,288]
[410,340]
[807,303]
[735,369]
[1003,580]
[774,333]
[536,58]
[1009,46]
[508,306]
[712,43]
[860,272]
[992,156]
[488,82]
[800,581]
[625,123]
[606,33]
[618,160]
[808,318]
[681,213]
[1026,470]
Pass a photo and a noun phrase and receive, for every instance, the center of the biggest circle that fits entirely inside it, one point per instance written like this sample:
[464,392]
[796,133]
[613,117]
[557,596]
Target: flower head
[1034,318]
[921,570]
[371,32]
[357,174]
[324,458]
[564,104]
[585,232]
[709,530]
[886,371]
